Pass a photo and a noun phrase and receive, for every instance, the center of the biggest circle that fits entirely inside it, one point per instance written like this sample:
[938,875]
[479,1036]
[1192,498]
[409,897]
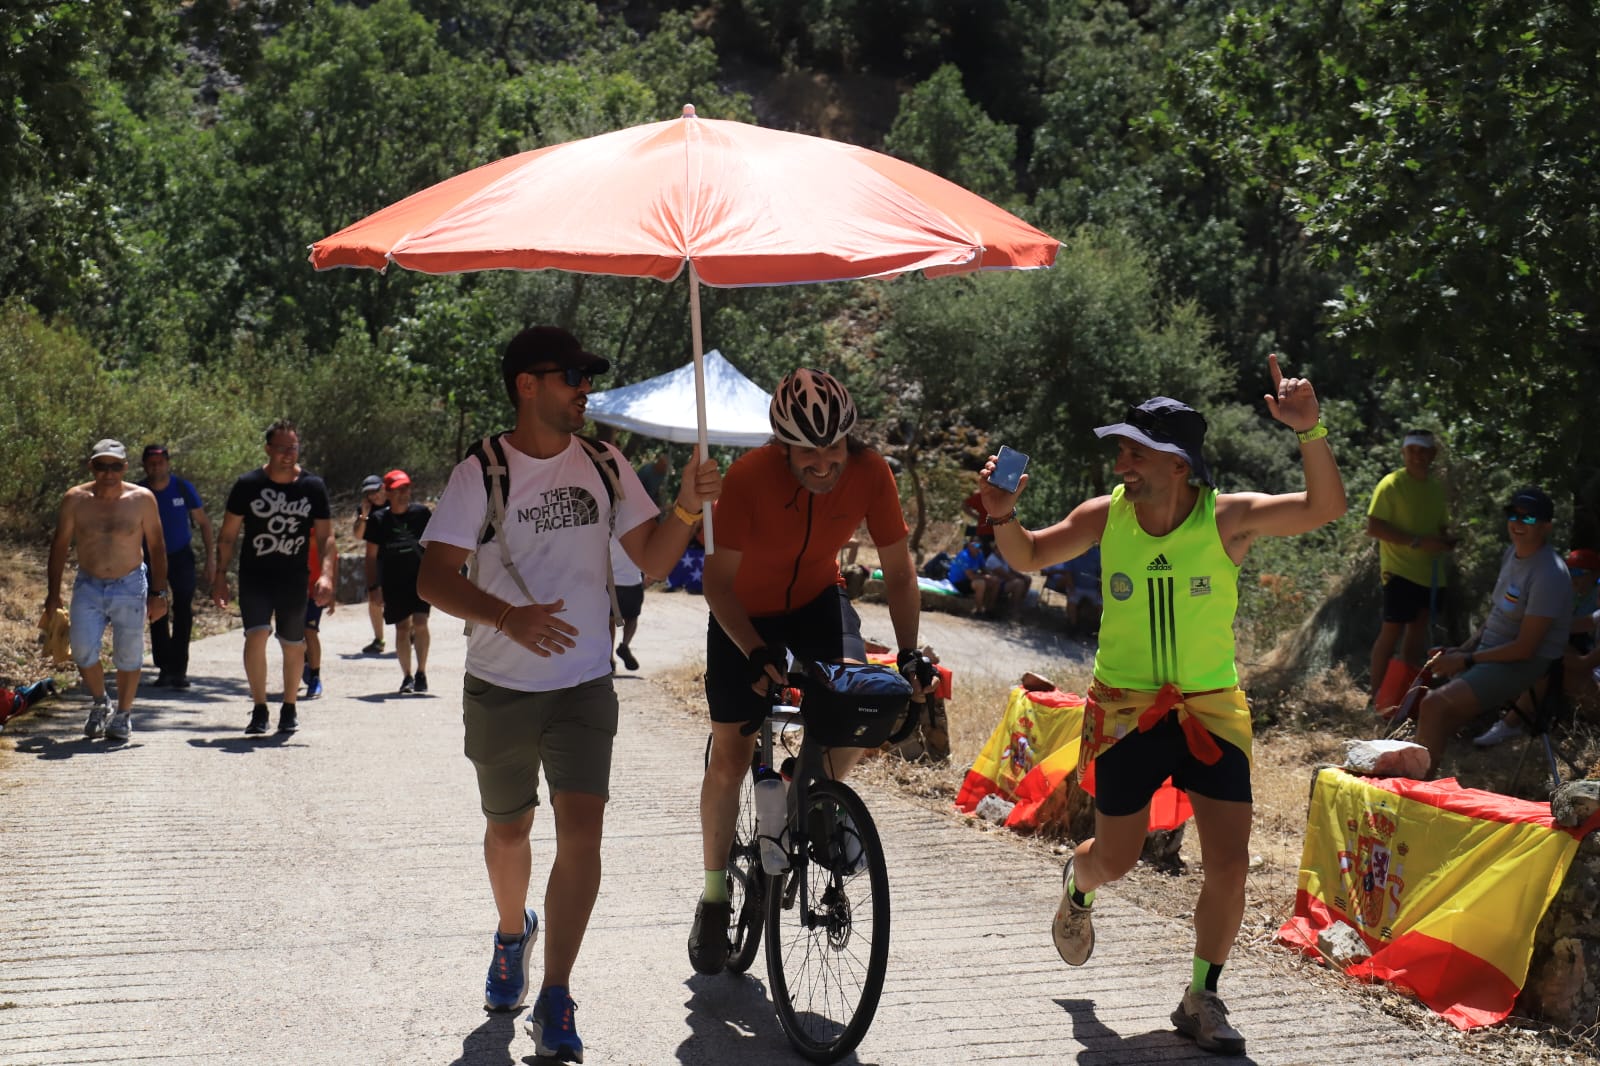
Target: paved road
[199,897]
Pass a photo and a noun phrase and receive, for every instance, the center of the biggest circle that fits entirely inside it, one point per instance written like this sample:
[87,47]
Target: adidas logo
[1159,563]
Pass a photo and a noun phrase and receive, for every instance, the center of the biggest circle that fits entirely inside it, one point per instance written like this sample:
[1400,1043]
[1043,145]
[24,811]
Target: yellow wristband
[684,515]
[1316,432]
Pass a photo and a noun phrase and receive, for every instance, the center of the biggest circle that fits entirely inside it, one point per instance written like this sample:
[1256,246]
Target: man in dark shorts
[272,515]
[1407,517]
[773,583]
[1165,701]
[181,513]
[394,556]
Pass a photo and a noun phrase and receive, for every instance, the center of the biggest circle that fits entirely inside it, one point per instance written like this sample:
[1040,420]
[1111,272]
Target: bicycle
[826,966]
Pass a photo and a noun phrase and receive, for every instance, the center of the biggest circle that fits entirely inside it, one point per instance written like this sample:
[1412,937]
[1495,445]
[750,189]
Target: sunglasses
[107,468]
[1518,516]
[572,375]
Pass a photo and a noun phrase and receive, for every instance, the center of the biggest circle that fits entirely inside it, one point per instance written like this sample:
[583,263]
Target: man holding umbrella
[556,504]
[1166,701]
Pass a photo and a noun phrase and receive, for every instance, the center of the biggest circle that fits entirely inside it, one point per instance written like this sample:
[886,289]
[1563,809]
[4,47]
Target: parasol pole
[700,388]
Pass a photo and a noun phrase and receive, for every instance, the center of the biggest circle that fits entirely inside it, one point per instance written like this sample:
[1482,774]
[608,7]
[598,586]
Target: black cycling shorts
[825,630]
[1127,774]
[1405,601]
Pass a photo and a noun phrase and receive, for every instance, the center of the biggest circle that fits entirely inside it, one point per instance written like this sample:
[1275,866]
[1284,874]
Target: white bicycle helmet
[811,409]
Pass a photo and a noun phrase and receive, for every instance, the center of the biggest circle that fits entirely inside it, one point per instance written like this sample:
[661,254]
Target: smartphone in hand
[1008,468]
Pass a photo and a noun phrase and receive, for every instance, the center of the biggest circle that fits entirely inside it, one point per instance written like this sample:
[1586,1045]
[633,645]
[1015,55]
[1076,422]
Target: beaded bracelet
[993,521]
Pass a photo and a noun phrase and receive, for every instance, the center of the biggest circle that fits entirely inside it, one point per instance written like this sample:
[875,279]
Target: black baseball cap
[1532,500]
[1166,425]
[549,344]
[154,449]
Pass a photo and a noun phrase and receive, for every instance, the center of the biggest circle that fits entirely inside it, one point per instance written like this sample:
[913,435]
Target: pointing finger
[1277,375]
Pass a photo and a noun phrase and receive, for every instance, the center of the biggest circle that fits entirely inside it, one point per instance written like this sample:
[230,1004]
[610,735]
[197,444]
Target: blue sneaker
[507,986]
[314,688]
[551,1026]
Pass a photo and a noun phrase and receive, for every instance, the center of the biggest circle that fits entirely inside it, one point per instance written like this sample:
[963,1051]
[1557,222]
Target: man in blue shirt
[181,511]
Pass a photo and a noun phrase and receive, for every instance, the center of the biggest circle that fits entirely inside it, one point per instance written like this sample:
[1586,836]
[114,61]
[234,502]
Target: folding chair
[1538,723]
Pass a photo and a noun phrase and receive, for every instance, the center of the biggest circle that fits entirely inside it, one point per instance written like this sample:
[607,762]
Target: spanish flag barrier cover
[1446,885]
[1033,750]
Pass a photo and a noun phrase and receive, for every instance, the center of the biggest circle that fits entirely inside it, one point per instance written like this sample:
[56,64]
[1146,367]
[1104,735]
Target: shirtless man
[112,524]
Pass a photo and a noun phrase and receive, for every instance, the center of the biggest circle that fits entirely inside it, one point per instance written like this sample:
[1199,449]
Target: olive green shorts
[511,734]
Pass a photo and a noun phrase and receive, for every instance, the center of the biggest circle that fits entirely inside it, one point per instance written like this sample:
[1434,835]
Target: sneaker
[708,939]
[375,648]
[95,725]
[1498,733]
[314,689]
[178,682]
[161,681]
[551,1026]
[625,653]
[422,682]
[120,727]
[288,720]
[408,685]
[1203,1016]
[258,720]
[1073,927]
[507,986]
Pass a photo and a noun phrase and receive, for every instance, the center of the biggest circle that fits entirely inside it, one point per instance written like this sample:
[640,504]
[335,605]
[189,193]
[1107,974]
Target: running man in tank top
[1165,701]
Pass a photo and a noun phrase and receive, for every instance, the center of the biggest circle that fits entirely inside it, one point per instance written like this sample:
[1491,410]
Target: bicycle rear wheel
[827,930]
[745,881]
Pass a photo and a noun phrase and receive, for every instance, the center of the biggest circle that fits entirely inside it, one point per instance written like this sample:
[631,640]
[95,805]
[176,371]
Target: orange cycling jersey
[789,537]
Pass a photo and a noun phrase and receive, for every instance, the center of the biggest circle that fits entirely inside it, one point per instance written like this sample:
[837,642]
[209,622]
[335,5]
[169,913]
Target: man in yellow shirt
[1166,700]
[1408,518]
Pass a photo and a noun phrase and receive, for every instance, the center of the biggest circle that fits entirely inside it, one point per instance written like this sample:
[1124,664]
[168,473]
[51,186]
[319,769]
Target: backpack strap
[605,460]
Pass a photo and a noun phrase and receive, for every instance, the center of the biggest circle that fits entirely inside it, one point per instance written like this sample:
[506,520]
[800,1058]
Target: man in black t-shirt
[273,514]
[394,540]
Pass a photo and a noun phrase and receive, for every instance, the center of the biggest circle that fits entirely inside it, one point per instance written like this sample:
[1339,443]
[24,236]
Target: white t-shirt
[557,524]
[624,571]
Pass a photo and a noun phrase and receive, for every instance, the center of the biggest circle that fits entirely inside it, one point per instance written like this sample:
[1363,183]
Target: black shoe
[288,720]
[422,681]
[408,686]
[258,720]
[375,648]
[161,681]
[708,940]
[626,655]
[178,682]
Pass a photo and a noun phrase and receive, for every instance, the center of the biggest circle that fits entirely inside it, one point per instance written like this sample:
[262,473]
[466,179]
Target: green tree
[939,129]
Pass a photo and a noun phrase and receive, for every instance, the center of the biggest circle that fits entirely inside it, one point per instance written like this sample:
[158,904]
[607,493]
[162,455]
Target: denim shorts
[118,602]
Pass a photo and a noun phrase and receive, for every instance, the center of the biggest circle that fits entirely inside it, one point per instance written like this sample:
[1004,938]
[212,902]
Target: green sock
[1082,899]
[1205,975]
[716,890]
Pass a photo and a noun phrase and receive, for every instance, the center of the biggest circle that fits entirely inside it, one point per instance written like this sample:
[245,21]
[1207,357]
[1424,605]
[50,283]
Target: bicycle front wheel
[745,880]
[828,927]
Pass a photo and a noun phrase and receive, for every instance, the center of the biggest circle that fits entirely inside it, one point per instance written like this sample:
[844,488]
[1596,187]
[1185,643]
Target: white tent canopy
[664,406]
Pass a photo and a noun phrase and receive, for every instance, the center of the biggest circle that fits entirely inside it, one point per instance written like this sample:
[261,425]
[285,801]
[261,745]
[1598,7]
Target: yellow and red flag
[1036,727]
[1446,886]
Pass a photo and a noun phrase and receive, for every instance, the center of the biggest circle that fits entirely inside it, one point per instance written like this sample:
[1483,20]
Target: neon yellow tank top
[1169,602]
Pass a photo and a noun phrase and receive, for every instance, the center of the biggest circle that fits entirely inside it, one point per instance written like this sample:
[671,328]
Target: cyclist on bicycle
[773,583]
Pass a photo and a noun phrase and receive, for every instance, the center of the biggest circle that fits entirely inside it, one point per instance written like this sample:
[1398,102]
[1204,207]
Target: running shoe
[95,725]
[375,648]
[625,653]
[1203,1016]
[408,685]
[258,720]
[422,682]
[314,688]
[550,1023]
[288,720]
[507,986]
[1073,927]
[708,938]
[1498,733]
[120,727]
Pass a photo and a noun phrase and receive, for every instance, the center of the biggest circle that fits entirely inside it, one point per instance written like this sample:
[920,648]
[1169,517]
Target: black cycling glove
[921,664]
[767,655]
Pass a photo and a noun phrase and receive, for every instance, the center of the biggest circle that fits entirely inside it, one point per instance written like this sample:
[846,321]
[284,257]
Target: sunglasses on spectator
[1517,516]
[107,467]
[572,375]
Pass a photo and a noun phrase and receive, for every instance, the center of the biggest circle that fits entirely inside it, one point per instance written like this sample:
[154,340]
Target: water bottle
[771,814]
